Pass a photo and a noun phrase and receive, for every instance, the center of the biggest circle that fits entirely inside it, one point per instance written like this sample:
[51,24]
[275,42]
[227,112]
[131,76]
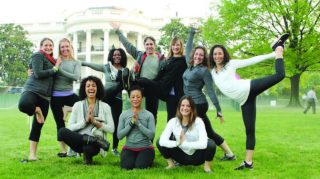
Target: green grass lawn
[287,146]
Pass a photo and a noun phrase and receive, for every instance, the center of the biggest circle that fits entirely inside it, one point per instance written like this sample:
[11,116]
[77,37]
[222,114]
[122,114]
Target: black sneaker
[62,155]
[245,165]
[280,41]
[227,158]
[125,79]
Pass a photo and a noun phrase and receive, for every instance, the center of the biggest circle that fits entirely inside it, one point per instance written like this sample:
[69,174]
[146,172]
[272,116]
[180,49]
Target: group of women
[188,137]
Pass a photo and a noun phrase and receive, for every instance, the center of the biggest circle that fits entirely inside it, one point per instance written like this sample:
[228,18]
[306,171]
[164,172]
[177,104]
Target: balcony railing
[94,48]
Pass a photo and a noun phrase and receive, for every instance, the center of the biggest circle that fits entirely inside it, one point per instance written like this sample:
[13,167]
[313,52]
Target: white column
[105,45]
[56,48]
[75,45]
[88,50]
[139,41]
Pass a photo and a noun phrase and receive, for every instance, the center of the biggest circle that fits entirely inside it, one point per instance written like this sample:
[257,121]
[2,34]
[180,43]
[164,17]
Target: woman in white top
[189,144]
[245,91]
[89,122]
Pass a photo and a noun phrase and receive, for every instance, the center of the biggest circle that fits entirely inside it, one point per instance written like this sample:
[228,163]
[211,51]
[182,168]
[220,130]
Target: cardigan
[41,80]
[77,120]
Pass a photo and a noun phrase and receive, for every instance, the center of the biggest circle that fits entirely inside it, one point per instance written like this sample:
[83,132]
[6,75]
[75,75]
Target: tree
[246,26]
[175,29]
[15,51]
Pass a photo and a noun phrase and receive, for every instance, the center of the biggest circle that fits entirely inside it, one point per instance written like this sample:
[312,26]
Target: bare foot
[170,167]
[207,167]
[170,164]
[66,110]
[39,115]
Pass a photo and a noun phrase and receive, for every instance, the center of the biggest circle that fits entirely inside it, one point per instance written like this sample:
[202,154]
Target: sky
[29,11]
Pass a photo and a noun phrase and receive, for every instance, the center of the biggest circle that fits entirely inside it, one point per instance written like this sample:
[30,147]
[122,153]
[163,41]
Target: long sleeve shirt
[141,133]
[194,79]
[69,71]
[195,137]
[151,64]
[77,121]
[229,84]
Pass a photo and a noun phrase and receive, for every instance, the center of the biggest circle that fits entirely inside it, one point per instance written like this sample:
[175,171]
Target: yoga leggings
[197,158]
[202,110]
[57,103]
[27,104]
[257,86]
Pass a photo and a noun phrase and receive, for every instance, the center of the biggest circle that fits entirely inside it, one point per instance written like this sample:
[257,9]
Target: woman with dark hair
[168,85]
[195,78]
[37,92]
[89,122]
[117,61]
[245,91]
[138,126]
[68,72]
[191,145]
[147,64]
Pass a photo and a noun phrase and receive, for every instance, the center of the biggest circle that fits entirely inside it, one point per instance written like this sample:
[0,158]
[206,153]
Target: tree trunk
[294,97]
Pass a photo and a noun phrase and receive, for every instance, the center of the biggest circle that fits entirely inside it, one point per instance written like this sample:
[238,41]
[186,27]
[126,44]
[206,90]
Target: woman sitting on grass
[138,126]
[191,145]
[89,121]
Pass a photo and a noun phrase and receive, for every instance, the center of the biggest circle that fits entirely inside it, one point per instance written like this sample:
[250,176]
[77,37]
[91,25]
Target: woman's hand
[90,118]
[115,25]
[220,116]
[59,61]
[97,123]
[135,117]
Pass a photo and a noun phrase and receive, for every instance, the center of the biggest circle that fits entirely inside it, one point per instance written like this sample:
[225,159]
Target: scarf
[86,107]
[112,70]
[49,57]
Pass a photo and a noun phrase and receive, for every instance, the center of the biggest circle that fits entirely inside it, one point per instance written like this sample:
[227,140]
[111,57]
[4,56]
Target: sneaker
[72,153]
[245,165]
[227,158]
[62,154]
[280,41]
[115,152]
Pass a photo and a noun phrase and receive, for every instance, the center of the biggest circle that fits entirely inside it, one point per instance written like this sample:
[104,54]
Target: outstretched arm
[97,67]
[189,43]
[131,49]
[253,60]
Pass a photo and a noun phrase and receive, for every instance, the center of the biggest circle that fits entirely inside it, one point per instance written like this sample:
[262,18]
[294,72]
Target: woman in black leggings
[245,91]
[37,92]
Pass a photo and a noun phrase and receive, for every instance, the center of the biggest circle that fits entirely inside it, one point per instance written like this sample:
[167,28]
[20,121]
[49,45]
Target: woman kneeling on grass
[89,121]
[191,145]
[138,126]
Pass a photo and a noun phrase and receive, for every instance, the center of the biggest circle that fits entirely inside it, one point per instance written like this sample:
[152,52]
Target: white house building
[92,36]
